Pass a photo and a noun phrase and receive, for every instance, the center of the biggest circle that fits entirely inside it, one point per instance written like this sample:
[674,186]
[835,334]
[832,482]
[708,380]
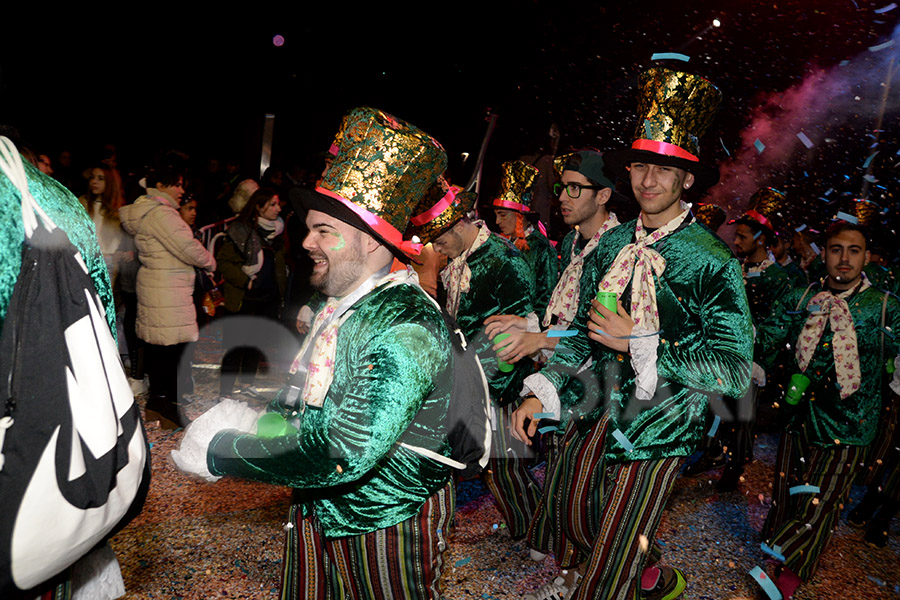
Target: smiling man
[681,333]
[371,516]
[836,329]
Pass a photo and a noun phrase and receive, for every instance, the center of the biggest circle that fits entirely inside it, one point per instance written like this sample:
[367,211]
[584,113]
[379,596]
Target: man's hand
[504,323]
[529,407]
[520,344]
[616,327]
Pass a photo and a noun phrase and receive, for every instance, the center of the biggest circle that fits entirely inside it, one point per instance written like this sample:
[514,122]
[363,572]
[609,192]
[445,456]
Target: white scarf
[457,276]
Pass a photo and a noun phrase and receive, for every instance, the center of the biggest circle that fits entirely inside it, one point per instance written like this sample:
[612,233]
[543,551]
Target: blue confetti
[620,437]
[648,130]
[547,429]
[869,160]
[759,146]
[670,56]
[881,47]
[842,216]
[870,178]
[544,415]
[806,141]
[754,274]
[828,193]
[884,9]
[715,426]
[559,333]
[844,63]
[721,141]
[462,562]
[875,580]
[765,583]
[814,248]
[801,228]
[773,552]
[804,489]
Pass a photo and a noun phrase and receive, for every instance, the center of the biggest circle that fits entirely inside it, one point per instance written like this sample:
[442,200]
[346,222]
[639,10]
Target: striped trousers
[567,518]
[508,477]
[802,524]
[401,562]
[634,495]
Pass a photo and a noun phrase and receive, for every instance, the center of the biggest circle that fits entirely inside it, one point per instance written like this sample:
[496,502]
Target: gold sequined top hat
[440,209]
[383,168]
[516,186]
[711,215]
[864,213]
[674,111]
[768,208]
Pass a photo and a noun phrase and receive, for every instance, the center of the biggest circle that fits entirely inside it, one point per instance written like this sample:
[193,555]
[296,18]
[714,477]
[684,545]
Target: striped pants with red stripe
[799,526]
[404,561]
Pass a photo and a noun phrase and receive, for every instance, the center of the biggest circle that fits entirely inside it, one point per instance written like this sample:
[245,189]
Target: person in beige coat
[166,319]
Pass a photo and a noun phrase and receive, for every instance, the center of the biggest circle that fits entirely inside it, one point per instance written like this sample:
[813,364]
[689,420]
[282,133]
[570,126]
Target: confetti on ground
[759,146]
[806,141]
[670,56]
[804,489]
[462,562]
[773,552]
[765,583]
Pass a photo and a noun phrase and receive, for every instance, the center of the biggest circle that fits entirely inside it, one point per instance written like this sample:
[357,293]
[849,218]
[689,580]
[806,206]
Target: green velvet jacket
[796,273]
[502,284]
[827,419]
[66,211]
[392,380]
[882,278]
[541,257]
[705,347]
[764,289]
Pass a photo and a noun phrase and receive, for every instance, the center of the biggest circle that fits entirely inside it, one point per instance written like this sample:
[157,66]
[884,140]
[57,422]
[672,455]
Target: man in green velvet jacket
[840,344]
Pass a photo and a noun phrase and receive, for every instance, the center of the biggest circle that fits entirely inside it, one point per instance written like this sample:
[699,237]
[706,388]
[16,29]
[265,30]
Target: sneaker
[555,590]
[669,585]
[705,463]
[536,555]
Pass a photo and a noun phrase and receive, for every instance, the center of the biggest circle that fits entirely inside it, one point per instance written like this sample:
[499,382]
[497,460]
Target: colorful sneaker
[555,590]
[670,583]
[536,555]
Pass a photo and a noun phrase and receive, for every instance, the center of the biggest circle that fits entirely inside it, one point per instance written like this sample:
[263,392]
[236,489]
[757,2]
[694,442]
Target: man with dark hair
[836,329]
[680,333]
[487,275]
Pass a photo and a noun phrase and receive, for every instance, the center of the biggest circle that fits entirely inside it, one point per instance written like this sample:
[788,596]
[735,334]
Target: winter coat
[168,253]
[231,258]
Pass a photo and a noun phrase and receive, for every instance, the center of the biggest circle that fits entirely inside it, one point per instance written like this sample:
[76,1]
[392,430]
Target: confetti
[557,333]
[814,248]
[884,9]
[670,56]
[801,228]
[715,426]
[547,429]
[462,562]
[842,216]
[544,415]
[773,552]
[869,160]
[870,178]
[806,141]
[765,583]
[620,437]
[721,141]
[844,63]
[881,47]
[754,274]
[804,489]
[759,146]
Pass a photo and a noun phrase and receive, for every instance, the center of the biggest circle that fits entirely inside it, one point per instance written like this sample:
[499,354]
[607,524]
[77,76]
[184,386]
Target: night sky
[202,86]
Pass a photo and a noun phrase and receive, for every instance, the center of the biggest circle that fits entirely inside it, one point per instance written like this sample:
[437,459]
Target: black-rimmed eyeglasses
[573,190]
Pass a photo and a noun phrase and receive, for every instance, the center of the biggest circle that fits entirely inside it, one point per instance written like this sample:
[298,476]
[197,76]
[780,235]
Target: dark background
[203,83]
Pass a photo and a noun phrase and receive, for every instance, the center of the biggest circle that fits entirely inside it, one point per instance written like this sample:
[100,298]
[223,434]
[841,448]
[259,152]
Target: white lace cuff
[227,414]
[534,324]
[541,387]
[758,375]
[96,576]
[643,361]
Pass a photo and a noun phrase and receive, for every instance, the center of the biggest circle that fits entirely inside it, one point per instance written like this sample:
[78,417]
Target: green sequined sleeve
[716,358]
[380,384]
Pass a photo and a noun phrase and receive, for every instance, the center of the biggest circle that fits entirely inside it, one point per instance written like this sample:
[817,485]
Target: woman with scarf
[252,263]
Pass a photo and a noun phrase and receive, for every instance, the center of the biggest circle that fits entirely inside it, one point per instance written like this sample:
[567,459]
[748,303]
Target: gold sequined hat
[864,213]
[516,186]
[674,111]
[440,209]
[711,215]
[768,208]
[383,168]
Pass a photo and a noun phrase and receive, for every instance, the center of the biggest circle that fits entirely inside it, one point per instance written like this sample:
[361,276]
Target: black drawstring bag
[74,459]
